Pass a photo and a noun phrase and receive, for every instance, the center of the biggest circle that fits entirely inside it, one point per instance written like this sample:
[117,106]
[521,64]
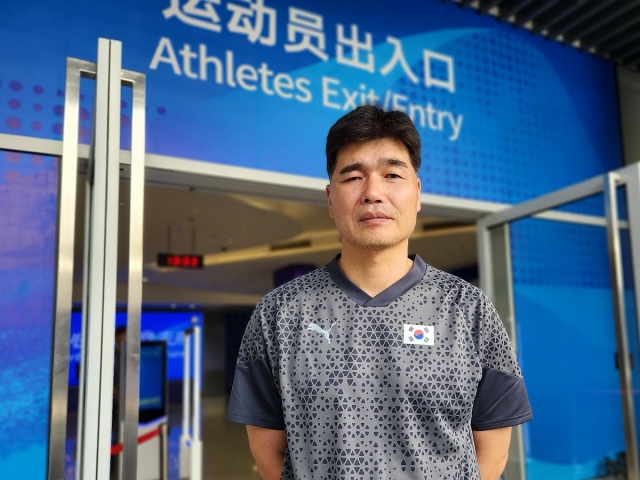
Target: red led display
[176,260]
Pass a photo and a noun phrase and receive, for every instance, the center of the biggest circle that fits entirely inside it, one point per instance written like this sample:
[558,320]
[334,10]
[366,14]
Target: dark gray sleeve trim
[501,401]
[254,397]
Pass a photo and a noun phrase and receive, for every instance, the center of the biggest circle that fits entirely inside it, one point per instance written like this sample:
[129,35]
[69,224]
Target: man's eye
[351,179]
[393,175]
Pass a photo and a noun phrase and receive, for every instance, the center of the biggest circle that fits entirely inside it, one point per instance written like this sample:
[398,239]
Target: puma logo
[316,328]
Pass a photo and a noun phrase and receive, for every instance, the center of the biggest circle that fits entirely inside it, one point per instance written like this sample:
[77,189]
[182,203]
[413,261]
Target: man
[377,366]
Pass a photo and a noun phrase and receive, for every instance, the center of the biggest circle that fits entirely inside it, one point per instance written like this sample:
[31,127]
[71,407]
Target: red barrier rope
[117,448]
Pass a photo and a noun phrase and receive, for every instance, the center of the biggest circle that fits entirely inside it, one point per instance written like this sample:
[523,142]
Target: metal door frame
[494,256]
[100,265]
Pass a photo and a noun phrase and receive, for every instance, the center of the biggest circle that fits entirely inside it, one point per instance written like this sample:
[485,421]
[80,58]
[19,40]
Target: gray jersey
[384,387]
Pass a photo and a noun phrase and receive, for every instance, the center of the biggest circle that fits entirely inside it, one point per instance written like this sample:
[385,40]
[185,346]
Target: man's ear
[327,190]
[419,191]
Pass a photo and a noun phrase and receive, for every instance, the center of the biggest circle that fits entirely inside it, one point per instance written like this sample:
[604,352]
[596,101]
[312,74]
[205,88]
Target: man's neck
[375,270]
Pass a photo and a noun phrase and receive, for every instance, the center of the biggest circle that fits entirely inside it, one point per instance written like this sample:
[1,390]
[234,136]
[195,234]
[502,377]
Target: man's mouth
[373,216]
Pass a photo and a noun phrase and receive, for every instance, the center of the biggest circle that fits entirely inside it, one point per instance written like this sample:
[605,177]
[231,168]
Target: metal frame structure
[100,260]
[191,438]
[494,257]
[137,82]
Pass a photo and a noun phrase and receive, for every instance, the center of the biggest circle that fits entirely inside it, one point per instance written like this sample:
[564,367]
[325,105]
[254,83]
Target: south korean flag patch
[419,334]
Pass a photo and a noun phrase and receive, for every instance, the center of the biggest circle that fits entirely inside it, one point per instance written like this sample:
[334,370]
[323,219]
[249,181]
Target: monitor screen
[153,380]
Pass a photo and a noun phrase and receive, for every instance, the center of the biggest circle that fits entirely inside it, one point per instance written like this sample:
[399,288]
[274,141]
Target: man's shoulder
[452,285]
[315,280]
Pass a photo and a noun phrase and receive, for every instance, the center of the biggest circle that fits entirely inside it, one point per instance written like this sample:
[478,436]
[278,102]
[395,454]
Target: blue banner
[504,115]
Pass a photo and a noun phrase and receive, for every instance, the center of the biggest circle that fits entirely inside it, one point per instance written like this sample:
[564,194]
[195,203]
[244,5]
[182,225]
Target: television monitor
[153,380]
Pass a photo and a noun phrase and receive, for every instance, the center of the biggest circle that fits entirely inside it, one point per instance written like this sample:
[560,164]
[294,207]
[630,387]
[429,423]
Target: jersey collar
[385,297]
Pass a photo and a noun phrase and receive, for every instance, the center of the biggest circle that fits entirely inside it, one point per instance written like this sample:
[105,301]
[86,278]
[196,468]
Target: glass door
[561,271]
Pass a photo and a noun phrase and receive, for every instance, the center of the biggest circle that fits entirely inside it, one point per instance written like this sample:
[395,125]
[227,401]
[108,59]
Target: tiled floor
[226,454]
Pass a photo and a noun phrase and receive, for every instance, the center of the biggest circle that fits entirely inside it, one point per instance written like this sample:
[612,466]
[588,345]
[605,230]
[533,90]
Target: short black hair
[369,122]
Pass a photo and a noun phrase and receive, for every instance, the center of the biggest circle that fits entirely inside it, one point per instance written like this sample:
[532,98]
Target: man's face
[374,195]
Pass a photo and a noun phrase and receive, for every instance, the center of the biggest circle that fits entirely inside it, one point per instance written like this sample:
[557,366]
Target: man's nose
[372,192]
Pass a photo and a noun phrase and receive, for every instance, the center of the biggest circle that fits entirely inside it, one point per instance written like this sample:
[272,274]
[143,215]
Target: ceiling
[245,239]
[609,29]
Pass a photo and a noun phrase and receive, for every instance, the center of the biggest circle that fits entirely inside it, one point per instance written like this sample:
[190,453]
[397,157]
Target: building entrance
[263,199]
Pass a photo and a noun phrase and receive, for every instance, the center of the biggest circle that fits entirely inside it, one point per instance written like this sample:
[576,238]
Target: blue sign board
[504,115]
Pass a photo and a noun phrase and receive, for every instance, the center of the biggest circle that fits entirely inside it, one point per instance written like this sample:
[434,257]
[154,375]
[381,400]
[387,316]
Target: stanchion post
[185,436]
[196,443]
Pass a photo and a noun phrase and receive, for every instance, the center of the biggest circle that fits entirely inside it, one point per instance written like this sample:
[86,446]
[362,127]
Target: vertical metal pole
[100,301]
[502,278]
[196,443]
[134,297]
[111,257]
[502,273]
[86,69]
[119,423]
[84,337]
[88,408]
[185,437]
[633,212]
[164,452]
[484,258]
[64,275]
[494,258]
[617,289]
[186,384]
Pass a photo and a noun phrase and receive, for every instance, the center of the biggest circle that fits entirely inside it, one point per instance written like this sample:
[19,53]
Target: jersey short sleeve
[255,399]
[501,398]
